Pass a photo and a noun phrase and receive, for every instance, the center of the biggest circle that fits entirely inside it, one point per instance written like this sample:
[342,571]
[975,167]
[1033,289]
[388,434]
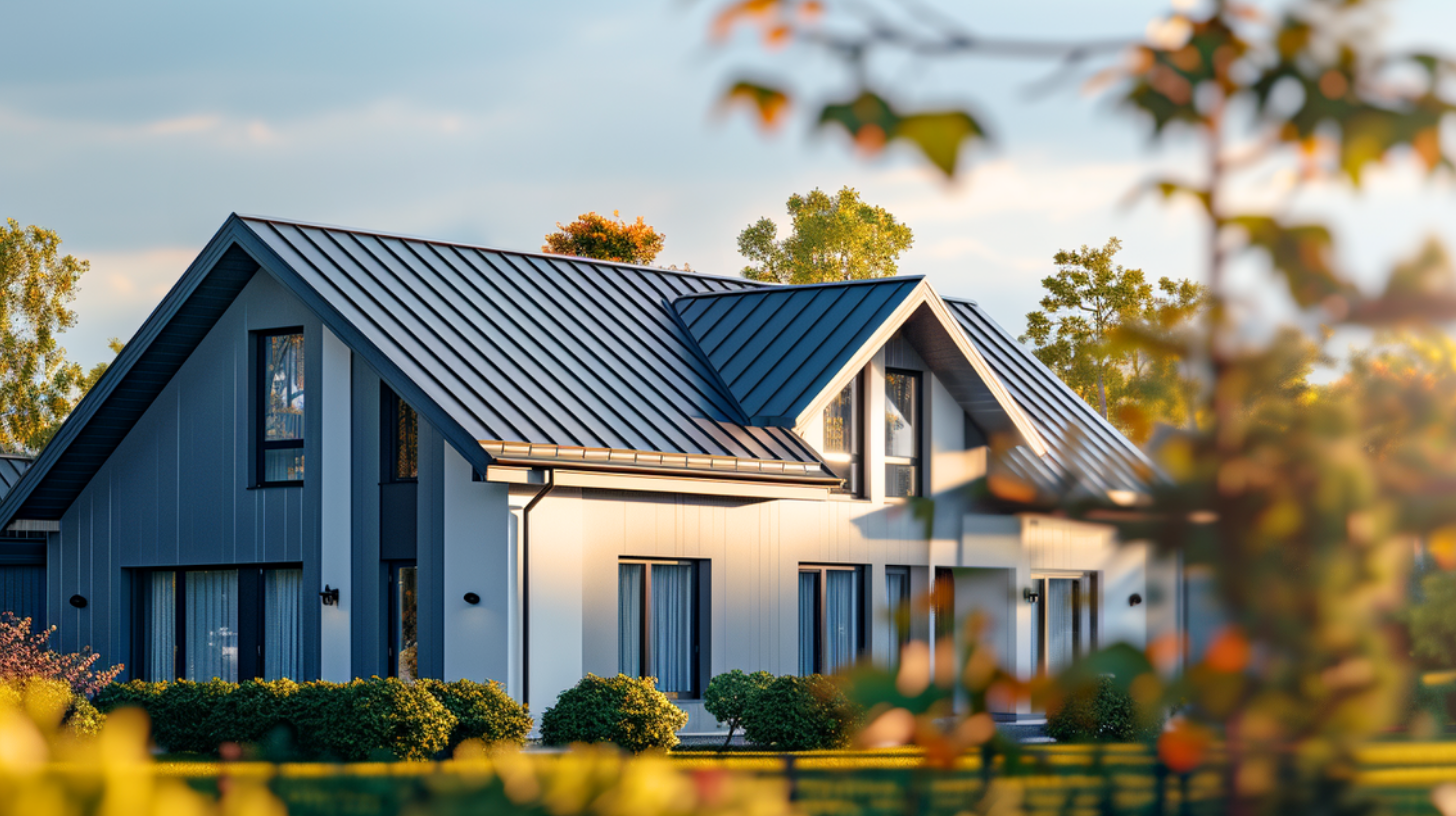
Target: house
[333,453]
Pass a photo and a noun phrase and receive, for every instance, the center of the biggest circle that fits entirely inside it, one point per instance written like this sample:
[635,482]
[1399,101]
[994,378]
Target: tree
[1082,333]
[38,386]
[836,238]
[595,236]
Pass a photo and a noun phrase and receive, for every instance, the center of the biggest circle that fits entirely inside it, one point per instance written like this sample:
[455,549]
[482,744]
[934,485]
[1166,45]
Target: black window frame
[252,626]
[261,443]
[821,608]
[392,612]
[899,607]
[915,463]
[698,627]
[850,465]
[390,414]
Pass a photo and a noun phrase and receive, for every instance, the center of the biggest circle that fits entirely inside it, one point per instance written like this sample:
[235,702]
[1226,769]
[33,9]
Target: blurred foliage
[596,236]
[834,238]
[628,712]
[1103,713]
[25,655]
[1433,622]
[730,697]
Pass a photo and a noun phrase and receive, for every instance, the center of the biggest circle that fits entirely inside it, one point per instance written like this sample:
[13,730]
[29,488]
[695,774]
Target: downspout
[526,586]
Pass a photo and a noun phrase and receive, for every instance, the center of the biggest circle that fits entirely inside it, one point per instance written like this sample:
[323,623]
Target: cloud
[118,293]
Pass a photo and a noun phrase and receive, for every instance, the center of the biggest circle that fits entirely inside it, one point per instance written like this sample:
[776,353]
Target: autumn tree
[833,238]
[38,386]
[1081,332]
[596,236]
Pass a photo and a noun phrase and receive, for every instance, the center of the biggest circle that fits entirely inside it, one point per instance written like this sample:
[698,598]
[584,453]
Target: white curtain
[672,627]
[897,596]
[212,625]
[162,640]
[282,630]
[629,619]
[841,627]
[808,631]
[1061,612]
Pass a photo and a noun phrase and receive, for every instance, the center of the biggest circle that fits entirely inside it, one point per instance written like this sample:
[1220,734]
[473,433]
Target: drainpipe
[526,586]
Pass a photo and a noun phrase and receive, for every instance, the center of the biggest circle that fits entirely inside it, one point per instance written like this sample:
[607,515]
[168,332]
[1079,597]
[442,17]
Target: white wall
[335,513]
[479,556]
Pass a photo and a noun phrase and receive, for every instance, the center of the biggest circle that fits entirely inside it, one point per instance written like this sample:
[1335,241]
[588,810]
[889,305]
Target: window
[404,634]
[403,444]
[831,618]
[843,437]
[229,623]
[897,598]
[658,623]
[902,433]
[1064,620]
[280,408]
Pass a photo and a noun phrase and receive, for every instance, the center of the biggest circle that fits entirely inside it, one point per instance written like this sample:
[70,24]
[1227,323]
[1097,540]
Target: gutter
[661,470]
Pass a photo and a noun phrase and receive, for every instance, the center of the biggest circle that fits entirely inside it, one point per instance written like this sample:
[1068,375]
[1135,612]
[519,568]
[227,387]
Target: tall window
[404,636]
[280,408]
[657,623]
[843,437]
[229,623]
[897,598]
[1064,620]
[902,433]
[404,441]
[831,618]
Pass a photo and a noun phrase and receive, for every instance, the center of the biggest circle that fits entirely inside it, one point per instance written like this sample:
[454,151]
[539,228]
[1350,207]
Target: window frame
[899,638]
[261,443]
[393,612]
[697,626]
[913,462]
[821,608]
[854,459]
[390,413]
[1086,617]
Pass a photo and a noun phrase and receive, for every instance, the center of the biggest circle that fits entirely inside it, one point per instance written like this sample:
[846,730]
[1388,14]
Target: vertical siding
[23,592]
[371,607]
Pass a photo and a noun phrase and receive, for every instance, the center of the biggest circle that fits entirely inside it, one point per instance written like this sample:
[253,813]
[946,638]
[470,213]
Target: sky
[134,129]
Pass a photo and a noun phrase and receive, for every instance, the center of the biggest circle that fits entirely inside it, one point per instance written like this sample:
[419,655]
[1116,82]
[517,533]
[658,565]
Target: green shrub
[249,712]
[482,711]
[1438,699]
[801,714]
[54,700]
[1102,712]
[627,711]
[731,695]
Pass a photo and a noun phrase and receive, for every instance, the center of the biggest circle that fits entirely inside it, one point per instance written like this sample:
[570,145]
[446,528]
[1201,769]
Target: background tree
[595,236]
[1081,333]
[834,238]
[38,386]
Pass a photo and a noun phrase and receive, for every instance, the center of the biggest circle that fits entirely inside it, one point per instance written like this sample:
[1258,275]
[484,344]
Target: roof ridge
[764,287]
[750,284]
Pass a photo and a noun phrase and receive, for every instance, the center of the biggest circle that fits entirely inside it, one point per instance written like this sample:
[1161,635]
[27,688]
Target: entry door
[1065,627]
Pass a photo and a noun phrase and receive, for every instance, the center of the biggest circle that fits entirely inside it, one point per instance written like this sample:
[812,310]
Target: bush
[801,714]
[627,711]
[730,696]
[482,711]
[54,704]
[25,655]
[1102,712]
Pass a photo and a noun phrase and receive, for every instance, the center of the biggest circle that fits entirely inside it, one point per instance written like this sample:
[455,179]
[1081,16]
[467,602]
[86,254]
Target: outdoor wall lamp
[1031,595]
[330,596]
[471,598]
[78,601]
[1134,599]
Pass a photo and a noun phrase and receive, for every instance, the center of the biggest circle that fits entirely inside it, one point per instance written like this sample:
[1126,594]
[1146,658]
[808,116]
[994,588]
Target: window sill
[274,484]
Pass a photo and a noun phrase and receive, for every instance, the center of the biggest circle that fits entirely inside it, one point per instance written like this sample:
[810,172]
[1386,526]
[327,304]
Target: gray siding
[22,591]
[369,614]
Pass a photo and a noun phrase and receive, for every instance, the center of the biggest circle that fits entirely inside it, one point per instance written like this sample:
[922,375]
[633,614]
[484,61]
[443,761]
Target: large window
[1064,620]
[224,623]
[831,618]
[658,623]
[404,633]
[897,598]
[902,433]
[844,437]
[280,408]
[403,440]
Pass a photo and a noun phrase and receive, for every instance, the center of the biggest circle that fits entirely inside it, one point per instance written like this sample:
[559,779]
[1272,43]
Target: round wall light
[1134,599]
[78,601]
[471,598]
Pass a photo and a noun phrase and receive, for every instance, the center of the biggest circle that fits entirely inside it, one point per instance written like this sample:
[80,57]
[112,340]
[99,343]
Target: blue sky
[134,129]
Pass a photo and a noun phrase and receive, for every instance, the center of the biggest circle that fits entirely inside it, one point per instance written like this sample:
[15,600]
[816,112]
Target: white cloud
[118,293]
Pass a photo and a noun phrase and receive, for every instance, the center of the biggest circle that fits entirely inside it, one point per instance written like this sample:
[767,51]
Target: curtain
[282,631]
[672,627]
[629,619]
[808,630]
[897,595]
[212,625]
[1061,611]
[841,608]
[162,637]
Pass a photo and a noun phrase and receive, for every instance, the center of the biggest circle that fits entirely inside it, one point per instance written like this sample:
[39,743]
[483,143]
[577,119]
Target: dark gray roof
[1083,448]
[12,467]
[776,348]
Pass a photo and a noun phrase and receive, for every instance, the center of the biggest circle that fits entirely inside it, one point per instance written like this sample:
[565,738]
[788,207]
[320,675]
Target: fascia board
[688,486]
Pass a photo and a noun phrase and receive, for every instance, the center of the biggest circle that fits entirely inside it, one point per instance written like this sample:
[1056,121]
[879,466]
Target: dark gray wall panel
[23,592]
[430,548]
[370,607]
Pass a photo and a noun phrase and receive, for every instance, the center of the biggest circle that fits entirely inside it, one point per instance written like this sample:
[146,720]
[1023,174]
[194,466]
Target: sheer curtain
[897,596]
[808,630]
[841,607]
[1061,609]
[629,619]
[672,625]
[162,640]
[212,625]
[282,611]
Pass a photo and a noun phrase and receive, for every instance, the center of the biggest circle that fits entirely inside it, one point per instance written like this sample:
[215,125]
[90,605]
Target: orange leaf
[1183,747]
[1229,651]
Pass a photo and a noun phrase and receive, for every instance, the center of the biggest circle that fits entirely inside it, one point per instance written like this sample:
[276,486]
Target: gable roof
[12,467]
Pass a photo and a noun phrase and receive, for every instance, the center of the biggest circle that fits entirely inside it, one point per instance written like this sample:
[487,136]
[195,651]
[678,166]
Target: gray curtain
[282,632]
[212,625]
[808,632]
[672,622]
[1061,610]
[629,619]
[162,640]
[897,597]
[841,629]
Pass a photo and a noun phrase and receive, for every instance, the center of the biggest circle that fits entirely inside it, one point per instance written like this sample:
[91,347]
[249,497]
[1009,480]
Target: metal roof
[776,348]
[1083,448]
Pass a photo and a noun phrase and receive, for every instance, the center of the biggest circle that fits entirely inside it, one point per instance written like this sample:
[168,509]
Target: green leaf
[940,136]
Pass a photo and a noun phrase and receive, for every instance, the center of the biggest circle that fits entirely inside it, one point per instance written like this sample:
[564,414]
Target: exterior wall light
[471,598]
[78,601]
[330,596]
[1030,595]
[1134,599]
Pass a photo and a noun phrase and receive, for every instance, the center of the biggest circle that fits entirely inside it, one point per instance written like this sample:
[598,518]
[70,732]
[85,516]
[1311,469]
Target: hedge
[627,711]
[1102,712]
[801,714]
[362,719]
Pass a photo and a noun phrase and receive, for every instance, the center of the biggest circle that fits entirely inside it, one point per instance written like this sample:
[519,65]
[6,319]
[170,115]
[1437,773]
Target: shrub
[1102,712]
[482,711]
[627,711]
[24,655]
[53,703]
[731,695]
[801,714]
